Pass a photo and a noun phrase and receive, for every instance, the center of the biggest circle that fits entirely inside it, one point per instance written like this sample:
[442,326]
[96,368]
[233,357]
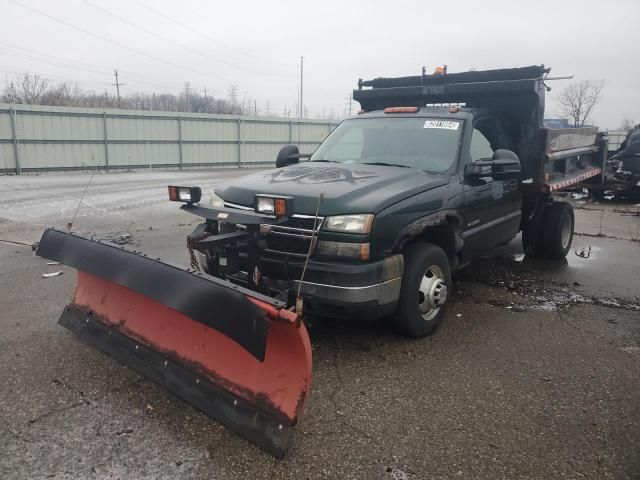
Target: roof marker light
[401,110]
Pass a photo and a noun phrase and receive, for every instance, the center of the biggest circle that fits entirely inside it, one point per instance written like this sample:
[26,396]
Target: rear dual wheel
[426,284]
[557,232]
[552,237]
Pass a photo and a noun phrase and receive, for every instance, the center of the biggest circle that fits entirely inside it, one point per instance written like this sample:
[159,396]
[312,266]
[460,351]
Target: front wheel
[426,284]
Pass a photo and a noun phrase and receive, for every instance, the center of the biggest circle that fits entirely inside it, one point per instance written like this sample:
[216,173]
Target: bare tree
[10,94]
[62,95]
[577,100]
[27,88]
[626,125]
[33,89]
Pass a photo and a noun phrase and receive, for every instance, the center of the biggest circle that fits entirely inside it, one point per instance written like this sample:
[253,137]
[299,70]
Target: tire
[422,262]
[531,243]
[557,230]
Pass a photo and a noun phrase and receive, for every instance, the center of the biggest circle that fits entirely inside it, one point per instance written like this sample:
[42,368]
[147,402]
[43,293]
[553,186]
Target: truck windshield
[428,144]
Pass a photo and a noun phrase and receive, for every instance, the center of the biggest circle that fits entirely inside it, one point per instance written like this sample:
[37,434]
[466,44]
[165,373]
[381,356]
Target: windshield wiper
[327,161]
[386,164]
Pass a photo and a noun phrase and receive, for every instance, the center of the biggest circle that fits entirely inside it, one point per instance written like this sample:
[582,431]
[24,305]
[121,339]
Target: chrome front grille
[301,225]
[292,237]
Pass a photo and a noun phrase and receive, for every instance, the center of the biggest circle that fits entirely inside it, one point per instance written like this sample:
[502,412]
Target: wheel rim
[432,292]
[566,232]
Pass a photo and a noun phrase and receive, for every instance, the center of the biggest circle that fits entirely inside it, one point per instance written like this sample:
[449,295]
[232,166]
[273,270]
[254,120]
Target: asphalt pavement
[535,372]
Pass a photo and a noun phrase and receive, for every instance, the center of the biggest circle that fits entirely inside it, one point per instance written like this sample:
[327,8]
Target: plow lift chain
[200,233]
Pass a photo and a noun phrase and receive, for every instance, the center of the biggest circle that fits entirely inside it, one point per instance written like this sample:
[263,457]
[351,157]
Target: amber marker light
[401,110]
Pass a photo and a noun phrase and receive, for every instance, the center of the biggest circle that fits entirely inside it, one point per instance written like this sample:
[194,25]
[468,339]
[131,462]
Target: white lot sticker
[446,124]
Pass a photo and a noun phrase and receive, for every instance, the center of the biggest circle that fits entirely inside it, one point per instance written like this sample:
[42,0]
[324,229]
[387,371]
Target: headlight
[360,223]
[266,205]
[216,201]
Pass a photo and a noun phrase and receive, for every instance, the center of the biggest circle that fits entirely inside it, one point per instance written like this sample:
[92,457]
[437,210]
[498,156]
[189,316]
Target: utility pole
[350,103]
[347,107]
[234,94]
[206,100]
[117,85]
[301,82]
[187,91]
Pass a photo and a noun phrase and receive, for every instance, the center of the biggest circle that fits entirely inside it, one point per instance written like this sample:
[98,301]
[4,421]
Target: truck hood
[348,188]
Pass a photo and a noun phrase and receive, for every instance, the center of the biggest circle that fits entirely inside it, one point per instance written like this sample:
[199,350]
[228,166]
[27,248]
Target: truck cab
[434,171]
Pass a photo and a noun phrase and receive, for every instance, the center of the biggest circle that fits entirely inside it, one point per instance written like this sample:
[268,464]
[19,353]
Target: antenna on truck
[299,302]
[70,224]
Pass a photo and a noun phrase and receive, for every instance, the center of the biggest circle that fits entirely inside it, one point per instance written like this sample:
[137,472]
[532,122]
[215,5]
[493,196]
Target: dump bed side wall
[563,158]
[560,139]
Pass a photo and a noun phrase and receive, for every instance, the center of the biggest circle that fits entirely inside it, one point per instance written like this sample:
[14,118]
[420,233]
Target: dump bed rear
[568,156]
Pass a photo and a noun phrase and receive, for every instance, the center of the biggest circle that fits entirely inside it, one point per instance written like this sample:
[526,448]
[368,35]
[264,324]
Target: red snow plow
[236,354]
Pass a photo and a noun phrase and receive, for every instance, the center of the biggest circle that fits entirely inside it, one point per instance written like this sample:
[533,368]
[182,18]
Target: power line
[94,72]
[139,52]
[11,50]
[49,77]
[87,85]
[168,40]
[100,86]
[92,67]
[203,35]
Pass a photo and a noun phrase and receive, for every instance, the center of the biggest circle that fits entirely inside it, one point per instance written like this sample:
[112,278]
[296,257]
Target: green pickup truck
[433,171]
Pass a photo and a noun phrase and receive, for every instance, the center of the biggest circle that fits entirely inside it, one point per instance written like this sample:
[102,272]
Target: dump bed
[571,156]
[551,159]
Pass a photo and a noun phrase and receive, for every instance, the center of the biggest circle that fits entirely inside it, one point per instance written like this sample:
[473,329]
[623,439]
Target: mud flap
[236,355]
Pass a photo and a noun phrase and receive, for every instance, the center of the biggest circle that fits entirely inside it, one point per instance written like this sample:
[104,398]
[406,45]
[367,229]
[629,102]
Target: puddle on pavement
[581,257]
[522,277]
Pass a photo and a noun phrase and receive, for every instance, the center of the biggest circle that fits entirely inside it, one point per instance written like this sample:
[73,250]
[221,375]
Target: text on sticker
[447,124]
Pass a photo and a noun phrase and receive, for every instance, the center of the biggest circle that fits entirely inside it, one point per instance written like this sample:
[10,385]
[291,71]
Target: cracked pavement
[535,372]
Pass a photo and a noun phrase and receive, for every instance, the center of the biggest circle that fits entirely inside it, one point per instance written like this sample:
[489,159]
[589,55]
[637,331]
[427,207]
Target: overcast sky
[257,44]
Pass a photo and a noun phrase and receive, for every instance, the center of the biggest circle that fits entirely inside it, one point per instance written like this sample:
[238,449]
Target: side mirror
[288,155]
[503,163]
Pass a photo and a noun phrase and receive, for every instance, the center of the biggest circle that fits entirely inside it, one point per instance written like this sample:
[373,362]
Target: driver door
[492,206]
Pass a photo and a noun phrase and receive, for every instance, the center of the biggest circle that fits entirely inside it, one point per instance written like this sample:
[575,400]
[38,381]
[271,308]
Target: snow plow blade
[237,355]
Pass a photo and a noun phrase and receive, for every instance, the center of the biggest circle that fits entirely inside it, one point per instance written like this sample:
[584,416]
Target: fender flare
[448,217]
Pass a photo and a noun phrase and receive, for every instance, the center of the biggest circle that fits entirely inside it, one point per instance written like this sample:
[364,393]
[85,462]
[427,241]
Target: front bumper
[380,293]
[369,290]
